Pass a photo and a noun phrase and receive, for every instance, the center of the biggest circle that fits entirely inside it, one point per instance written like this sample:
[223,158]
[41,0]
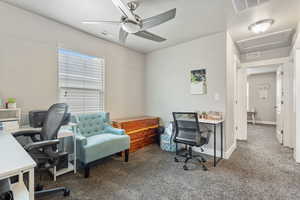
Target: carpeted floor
[259,169]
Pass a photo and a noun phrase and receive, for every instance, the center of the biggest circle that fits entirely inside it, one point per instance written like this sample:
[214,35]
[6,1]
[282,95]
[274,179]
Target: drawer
[136,146]
[152,122]
[151,133]
[134,125]
[137,135]
[149,140]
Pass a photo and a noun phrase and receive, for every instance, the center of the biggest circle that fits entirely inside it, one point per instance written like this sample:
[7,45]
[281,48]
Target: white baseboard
[262,122]
[230,151]
[210,152]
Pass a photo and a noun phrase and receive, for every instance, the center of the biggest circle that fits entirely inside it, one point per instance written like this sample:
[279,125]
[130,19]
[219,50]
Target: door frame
[240,81]
[241,103]
[279,108]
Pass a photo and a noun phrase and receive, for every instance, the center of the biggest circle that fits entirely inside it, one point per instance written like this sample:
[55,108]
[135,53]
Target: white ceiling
[195,18]
[286,14]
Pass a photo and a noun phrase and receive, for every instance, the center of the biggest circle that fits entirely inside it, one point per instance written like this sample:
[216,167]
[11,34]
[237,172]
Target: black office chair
[43,148]
[187,132]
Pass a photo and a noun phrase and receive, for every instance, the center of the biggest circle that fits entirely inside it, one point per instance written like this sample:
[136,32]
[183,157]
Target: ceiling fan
[131,23]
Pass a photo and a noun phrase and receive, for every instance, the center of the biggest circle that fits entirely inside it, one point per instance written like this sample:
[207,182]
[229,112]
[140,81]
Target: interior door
[288,81]
[279,105]
[235,106]
[242,104]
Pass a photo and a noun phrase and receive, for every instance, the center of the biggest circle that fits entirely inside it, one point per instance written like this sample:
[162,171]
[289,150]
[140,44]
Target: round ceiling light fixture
[261,26]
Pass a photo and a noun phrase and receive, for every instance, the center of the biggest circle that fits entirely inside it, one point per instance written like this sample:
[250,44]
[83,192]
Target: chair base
[64,190]
[189,156]
[88,166]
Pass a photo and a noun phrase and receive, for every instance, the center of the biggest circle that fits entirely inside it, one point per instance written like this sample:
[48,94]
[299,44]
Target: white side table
[63,133]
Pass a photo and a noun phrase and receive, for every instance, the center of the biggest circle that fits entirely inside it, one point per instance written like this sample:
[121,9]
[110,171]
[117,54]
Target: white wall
[168,78]
[231,94]
[295,55]
[28,63]
[296,104]
[265,108]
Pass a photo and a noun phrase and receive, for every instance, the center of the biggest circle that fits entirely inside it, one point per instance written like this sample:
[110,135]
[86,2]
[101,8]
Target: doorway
[276,113]
[263,92]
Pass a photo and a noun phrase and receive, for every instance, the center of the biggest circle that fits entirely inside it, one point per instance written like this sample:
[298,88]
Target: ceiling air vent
[241,5]
[266,42]
[253,55]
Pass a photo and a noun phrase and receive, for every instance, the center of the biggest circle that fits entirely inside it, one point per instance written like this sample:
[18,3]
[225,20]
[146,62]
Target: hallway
[268,169]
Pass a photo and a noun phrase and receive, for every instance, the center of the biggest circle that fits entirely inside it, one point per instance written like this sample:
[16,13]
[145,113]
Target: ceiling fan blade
[122,35]
[124,10]
[99,22]
[150,36]
[159,19]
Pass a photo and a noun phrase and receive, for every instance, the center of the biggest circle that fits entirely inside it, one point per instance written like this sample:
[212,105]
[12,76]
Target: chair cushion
[90,124]
[103,145]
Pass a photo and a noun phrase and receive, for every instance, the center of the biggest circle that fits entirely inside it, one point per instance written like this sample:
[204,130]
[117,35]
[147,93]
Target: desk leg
[75,155]
[31,184]
[221,140]
[215,148]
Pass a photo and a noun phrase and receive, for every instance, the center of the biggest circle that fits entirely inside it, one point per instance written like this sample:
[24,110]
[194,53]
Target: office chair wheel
[185,167]
[66,192]
[176,160]
[204,168]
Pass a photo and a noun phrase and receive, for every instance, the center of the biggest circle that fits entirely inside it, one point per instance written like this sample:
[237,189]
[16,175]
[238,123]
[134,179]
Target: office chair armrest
[27,133]
[117,131]
[41,144]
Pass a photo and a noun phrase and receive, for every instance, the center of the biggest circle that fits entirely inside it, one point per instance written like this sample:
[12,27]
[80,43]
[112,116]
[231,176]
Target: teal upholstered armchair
[97,139]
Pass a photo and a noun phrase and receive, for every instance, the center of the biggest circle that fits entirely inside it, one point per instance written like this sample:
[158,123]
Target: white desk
[15,161]
[214,123]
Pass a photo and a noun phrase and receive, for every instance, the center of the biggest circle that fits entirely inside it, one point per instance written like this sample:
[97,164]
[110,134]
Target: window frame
[58,78]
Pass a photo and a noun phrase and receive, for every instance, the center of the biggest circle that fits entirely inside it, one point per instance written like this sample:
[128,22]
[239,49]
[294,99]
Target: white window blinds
[81,81]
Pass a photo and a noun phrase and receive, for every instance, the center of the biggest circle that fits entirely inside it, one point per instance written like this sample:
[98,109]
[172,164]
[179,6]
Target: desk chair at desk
[188,132]
[43,148]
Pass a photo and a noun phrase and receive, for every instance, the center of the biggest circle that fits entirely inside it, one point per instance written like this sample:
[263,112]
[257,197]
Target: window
[81,81]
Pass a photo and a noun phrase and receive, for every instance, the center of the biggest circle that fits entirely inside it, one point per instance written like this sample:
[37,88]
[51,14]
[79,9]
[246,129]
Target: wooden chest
[142,130]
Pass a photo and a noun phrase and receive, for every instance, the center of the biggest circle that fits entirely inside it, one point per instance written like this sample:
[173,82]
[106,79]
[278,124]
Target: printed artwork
[198,81]
[263,91]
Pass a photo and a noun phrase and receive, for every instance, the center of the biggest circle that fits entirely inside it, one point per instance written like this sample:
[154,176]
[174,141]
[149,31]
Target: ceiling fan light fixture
[261,26]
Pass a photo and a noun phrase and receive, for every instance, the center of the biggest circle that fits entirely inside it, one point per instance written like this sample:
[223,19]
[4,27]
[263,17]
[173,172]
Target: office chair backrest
[55,116]
[187,127]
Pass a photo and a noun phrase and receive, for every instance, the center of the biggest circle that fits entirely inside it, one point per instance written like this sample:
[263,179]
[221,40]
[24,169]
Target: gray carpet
[258,169]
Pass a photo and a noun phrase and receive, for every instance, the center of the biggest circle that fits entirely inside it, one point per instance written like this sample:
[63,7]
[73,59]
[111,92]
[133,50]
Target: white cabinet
[10,119]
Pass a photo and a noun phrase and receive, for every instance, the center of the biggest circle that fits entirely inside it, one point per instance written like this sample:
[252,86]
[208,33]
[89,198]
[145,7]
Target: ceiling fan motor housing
[132,26]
